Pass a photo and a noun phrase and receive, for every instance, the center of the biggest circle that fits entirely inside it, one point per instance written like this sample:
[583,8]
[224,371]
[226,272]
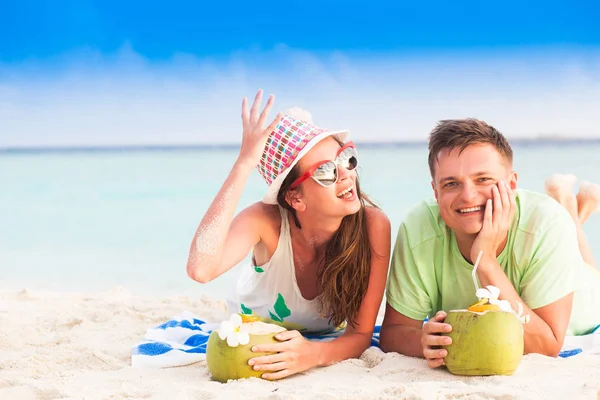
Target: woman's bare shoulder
[376,217]
[266,216]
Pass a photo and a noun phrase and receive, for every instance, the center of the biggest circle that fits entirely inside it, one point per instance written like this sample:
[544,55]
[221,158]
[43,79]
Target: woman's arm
[358,338]
[296,354]
[221,241]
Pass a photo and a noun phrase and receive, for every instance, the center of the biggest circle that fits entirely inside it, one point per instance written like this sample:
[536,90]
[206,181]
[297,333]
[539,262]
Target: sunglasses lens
[326,173]
[348,158]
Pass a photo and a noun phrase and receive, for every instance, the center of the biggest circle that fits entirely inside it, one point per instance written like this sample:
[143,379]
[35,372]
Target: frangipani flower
[230,330]
[523,318]
[491,293]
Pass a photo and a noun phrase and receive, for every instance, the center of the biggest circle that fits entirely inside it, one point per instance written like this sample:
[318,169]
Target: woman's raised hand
[255,134]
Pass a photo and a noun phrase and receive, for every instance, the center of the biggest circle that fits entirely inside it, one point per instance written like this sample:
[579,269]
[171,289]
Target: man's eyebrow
[481,173]
[448,178]
[452,178]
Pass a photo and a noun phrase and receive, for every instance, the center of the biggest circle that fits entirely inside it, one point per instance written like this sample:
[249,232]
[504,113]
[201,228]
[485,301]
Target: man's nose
[469,192]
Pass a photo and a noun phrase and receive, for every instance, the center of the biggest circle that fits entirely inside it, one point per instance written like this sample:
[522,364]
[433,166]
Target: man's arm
[547,286]
[545,332]
[408,300]
[410,337]
[400,334]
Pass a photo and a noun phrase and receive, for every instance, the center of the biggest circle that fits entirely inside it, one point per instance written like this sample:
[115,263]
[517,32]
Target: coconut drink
[487,337]
[229,347]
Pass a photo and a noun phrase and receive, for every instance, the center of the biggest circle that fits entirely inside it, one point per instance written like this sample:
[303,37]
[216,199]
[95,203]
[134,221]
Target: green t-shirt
[541,259]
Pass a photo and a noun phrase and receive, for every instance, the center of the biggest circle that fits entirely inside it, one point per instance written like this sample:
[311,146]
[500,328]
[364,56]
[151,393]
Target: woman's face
[340,198]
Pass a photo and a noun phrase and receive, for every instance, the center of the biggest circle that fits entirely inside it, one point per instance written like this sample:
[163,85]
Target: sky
[107,73]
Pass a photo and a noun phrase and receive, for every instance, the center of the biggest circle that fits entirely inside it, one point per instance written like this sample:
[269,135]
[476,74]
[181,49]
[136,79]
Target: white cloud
[93,99]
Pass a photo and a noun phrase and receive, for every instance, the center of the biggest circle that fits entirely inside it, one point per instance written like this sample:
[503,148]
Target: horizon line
[232,146]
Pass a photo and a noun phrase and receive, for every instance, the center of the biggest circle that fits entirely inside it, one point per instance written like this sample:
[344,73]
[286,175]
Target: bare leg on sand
[580,207]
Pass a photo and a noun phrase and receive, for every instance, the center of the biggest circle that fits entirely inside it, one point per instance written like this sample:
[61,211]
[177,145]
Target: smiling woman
[320,248]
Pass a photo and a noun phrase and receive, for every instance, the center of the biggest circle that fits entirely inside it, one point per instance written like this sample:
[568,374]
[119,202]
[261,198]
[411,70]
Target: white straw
[475,269]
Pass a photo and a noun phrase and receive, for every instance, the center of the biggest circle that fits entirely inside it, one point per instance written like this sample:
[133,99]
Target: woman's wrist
[244,164]
[319,350]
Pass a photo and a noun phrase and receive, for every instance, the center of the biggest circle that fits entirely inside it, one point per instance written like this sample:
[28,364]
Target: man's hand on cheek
[498,216]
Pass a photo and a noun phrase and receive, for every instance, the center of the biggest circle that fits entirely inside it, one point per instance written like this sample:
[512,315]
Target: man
[529,244]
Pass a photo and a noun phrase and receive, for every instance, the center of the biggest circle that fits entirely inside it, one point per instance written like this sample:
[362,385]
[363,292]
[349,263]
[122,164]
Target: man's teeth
[345,192]
[472,209]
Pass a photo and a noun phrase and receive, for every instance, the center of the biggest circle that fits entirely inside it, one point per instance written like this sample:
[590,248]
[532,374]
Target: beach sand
[77,346]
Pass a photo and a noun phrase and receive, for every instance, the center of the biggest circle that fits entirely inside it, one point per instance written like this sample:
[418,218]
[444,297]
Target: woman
[320,248]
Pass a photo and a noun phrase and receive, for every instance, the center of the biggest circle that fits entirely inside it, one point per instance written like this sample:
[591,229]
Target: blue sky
[106,72]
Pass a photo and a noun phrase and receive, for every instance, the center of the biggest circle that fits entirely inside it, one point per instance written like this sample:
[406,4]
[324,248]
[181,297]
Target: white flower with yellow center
[523,318]
[230,330]
[491,293]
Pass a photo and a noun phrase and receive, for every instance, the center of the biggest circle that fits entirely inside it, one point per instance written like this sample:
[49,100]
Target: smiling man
[528,241]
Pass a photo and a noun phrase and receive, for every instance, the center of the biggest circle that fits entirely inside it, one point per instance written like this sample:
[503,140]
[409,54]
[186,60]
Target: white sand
[77,346]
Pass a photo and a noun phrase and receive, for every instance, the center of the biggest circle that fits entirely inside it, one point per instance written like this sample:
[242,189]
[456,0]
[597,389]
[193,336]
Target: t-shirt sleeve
[553,270]
[406,291]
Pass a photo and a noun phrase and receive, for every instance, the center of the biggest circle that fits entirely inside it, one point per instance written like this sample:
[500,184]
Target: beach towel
[182,341]
[589,344]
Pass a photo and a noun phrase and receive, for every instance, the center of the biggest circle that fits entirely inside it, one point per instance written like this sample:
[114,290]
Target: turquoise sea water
[92,220]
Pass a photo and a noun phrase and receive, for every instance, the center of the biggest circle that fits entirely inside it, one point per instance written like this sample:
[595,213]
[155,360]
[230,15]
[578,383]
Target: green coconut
[484,343]
[225,362]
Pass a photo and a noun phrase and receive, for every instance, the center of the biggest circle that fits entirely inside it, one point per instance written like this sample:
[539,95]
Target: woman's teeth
[345,193]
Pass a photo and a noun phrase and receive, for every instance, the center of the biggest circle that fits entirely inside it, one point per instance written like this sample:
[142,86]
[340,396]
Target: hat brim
[271,196]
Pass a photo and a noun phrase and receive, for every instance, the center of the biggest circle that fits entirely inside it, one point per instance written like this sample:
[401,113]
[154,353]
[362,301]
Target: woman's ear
[294,199]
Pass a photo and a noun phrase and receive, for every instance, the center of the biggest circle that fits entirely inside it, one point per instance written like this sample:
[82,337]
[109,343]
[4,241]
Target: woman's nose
[343,173]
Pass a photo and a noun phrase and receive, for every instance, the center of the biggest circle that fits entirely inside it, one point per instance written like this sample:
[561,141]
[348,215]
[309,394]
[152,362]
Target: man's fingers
[512,199]
[503,188]
[497,204]
[435,362]
[487,215]
[437,340]
[436,327]
[431,353]
[440,316]
[506,204]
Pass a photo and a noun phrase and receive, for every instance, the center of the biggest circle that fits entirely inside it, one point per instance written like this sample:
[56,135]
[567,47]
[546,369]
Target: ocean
[96,219]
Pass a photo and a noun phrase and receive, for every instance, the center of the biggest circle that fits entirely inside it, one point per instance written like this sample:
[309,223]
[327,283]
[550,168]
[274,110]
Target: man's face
[463,183]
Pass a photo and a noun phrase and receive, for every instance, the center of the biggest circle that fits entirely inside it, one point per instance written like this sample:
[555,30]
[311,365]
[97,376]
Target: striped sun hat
[293,137]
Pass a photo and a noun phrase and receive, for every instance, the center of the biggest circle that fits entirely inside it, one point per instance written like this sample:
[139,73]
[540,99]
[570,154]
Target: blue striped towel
[182,341]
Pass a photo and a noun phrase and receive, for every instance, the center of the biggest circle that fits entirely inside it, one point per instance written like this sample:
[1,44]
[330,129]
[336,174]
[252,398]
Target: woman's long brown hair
[344,270]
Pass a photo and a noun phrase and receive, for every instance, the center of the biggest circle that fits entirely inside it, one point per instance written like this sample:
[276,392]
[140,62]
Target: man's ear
[295,200]
[513,180]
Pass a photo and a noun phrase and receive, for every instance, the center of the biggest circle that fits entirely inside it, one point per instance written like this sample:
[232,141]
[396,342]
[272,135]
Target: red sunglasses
[325,173]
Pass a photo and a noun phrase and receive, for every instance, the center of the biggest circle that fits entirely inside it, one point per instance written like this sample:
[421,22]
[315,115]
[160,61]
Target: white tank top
[270,291]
